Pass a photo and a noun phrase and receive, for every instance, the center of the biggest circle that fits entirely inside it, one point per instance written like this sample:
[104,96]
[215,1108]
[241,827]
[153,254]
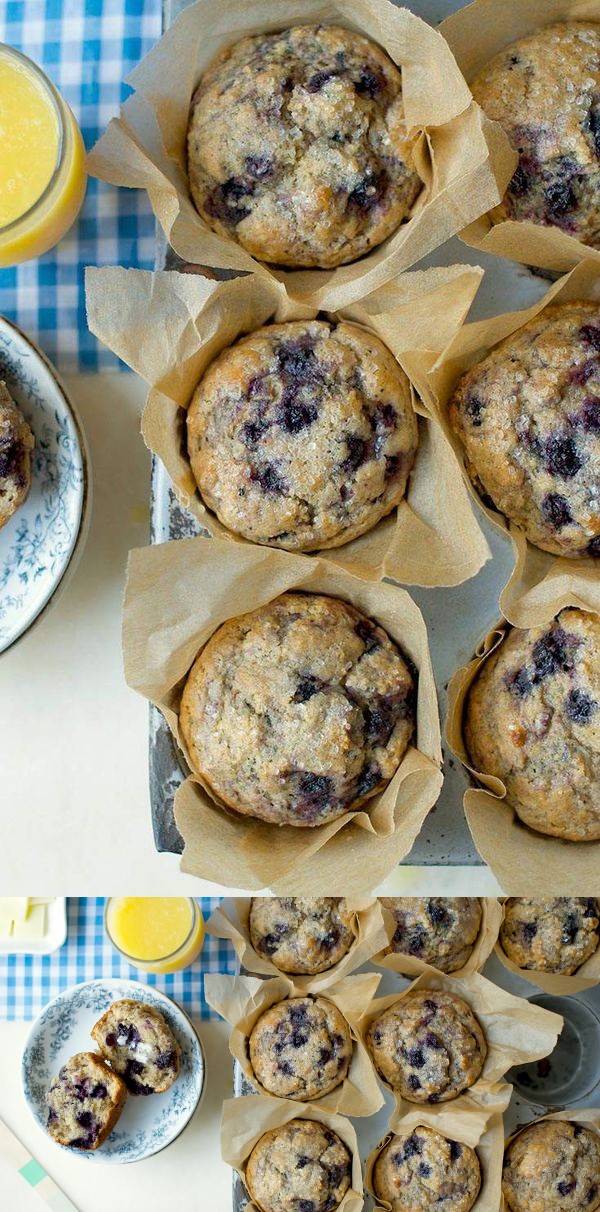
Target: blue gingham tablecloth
[28,982]
[87,47]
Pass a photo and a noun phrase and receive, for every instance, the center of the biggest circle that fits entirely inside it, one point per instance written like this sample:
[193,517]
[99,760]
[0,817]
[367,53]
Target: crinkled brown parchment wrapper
[524,862]
[588,1118]
[244,1120]
[241,1000]
[585,977]
[538,578]
[489,1148]
[516,1032]
[464,160]
[411,965]
[230,921]
[475,34]
[169,327]
[177,595]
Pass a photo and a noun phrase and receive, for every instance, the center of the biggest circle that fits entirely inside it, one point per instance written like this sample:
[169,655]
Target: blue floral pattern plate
[148,1123]
[39,542]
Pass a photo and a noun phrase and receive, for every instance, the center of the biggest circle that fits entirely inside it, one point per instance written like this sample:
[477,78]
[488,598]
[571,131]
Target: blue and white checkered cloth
[28,982]
[87,47]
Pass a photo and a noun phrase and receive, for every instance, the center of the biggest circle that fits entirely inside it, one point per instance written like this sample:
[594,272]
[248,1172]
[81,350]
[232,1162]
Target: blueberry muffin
[428,1047]
[423,1170]
[299,933]
[84,1102]
[16,445]
[302,435]
[140,1046]
[532,719]
[528,417]
[300,1048]
[551,933]
[298,149]
[545,91]
[440,930]
[300,1167]
[299,711]
[553,1166]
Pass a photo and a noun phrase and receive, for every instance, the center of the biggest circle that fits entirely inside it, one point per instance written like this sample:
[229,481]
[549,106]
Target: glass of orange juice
[159,934]
[42,161]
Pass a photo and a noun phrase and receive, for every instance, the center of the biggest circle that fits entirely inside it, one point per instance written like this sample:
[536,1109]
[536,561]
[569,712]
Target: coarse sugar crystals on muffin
[553,1166]
[16,445]
[424,1170]
[301,934]
[551,933]
[302,435]
[532,719]
[301,1166]
[440,930]
[544,90]
[429,1047]
[528,416]
[299,711]
[140,1045]
[84,1102]
[298,148]
[301,1048]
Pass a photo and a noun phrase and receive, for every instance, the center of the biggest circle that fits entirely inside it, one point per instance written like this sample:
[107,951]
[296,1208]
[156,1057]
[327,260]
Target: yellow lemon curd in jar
[158,934]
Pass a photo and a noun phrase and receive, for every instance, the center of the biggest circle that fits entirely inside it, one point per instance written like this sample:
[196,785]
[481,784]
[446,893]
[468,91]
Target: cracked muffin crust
[140,1045]
[551,933]
[301,1048]
[297,146]
[299,711]
[423,1170]
[440,930]
[299,1167]
[84,1101]
[532,719]
[16,445]
[301,934]
[545,91]
[428,1047]
[528,416]
[302,435]
[553,1166]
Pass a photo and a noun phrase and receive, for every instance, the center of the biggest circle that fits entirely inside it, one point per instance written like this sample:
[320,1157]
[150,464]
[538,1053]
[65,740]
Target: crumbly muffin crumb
[140,1045]
[84,1102]
[16,444]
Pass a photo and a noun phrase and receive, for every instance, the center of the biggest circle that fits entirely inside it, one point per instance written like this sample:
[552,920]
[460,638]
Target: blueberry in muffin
[84,1101]
[16,445]
[440,930]
[302,435]
[550,933]
[532,719]
[299,711]
[140,1046]
[553,1166]
[297,146]
[301,1048]
[300,1167]
[422,1170]
[429,1047]
[301,934]
[545,91]
[528,417]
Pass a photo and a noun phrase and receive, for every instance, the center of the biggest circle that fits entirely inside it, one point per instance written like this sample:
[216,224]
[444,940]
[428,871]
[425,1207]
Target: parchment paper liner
[475,34]
[515,1031]
[588,1118]
[242,999]
[411,965]
[230,920]
[585,977]
[169,327]
[244,1120]
[524,862]
[177,595]
[489,1148]
[538,577]
[465,160]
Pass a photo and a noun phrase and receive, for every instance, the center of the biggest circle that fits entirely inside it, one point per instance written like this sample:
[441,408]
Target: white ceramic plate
[56,933]
[40,540]
[148,1123]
